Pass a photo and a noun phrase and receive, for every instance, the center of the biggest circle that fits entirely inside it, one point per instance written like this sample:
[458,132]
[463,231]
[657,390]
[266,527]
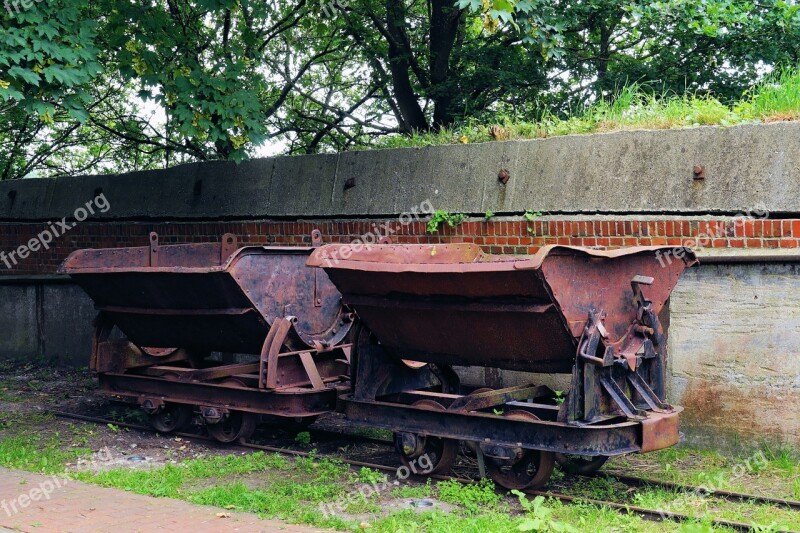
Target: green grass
[474,497]
[37,454]
[776,98]
[326,493]
[413,491]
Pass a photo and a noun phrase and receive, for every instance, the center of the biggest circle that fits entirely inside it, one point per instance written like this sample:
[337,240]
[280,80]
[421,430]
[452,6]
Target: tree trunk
[445,22]
[413,117]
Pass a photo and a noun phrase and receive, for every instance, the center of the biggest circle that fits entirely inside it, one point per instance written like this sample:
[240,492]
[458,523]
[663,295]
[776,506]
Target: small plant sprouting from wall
[530,216]
[444,217]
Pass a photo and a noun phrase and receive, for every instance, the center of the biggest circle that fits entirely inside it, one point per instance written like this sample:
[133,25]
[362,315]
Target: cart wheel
[516,468]
[440,452]
[173,417]
[580,464]
[237,425]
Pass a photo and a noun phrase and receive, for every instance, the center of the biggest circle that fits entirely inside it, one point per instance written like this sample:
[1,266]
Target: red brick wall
[506,236]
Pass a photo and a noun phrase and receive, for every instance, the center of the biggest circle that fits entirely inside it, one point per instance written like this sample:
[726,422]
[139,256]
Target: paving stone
[44,504]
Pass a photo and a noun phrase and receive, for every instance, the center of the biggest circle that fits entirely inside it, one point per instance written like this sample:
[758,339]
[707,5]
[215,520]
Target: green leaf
[25,75]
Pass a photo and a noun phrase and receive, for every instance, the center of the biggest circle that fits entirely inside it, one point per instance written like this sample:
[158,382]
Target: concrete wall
[735,353]
[642,172]
[45,319]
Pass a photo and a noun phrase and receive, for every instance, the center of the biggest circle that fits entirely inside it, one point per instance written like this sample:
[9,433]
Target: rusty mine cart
[592,314]
[179,304]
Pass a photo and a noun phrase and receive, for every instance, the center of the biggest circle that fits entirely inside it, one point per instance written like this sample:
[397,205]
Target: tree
[596,47]
[109,86]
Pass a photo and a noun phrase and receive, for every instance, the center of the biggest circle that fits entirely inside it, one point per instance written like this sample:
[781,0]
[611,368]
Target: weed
[530,216]
[370,476]
[781,459]
[472,497]
[560,397]
[443,217]
[488,215]
[539,517]
[304,438]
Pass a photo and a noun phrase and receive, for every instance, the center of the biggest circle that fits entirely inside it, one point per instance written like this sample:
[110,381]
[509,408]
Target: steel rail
[723,494]
[648,514]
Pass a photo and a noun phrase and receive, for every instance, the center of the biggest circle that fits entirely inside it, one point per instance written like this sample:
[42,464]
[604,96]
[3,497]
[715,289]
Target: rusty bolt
[350,183]
[699,172]
[503,176]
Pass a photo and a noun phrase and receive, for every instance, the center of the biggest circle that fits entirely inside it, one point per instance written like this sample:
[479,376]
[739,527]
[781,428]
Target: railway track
[646,513]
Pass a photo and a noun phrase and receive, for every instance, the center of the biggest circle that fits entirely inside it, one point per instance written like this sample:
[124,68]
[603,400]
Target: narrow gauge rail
[648,514]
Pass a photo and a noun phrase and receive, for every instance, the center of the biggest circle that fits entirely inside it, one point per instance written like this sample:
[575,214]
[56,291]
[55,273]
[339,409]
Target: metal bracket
[316,238]
[102,330]
[153,249]
[481,461]
[593,334]
[493,398]
[647,394]
[619,398]
[229,246]
[151,406]
[311,369]
[638,295]
[268,372]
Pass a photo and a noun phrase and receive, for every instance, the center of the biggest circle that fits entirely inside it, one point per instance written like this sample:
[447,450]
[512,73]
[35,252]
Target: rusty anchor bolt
[350,183]
[699,172]
[503,176]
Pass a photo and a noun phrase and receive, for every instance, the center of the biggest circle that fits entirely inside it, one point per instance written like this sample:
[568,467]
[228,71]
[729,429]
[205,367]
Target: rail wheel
[517,468]
[580,464]
[441,453]
[173,417]
[237,425]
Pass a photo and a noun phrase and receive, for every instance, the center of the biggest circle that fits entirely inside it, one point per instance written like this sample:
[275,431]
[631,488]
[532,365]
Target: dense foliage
[111,86]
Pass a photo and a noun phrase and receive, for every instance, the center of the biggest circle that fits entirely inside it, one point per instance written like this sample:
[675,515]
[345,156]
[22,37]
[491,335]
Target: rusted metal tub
[176,305]
[590,313]
[453,304]
[210,296]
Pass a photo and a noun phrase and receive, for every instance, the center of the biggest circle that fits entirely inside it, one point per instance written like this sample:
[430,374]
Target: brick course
[501,236]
